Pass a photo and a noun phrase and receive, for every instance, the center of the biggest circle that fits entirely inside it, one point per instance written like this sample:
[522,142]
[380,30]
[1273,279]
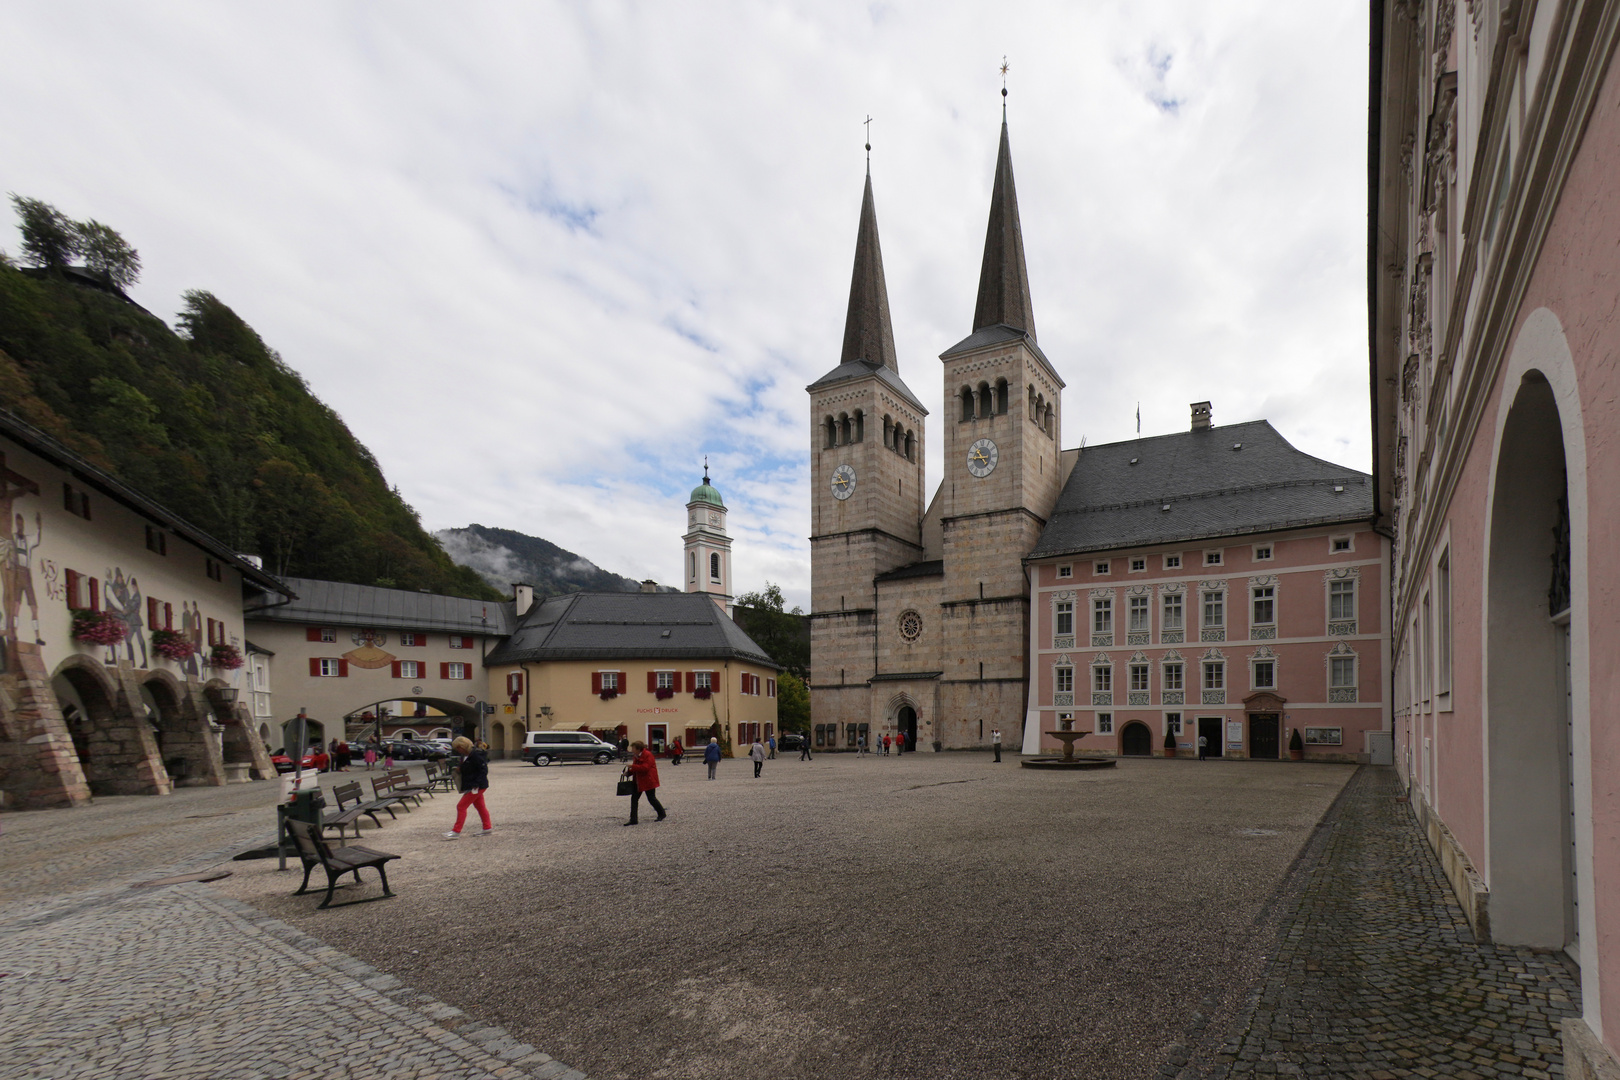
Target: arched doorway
[497,741]
[520,735]
[119,755]
[314,735]
[906,721]
[1136,740]
[1530,846]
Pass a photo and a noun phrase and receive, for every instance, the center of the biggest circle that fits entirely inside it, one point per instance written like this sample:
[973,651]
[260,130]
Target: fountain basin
[1069,760]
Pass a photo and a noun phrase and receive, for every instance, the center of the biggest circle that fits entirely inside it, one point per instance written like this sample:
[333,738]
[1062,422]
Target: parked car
[544,747]
[314,759]
[789,740]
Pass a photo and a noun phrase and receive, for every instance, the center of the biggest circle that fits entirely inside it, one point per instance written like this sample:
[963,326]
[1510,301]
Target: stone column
[38,766]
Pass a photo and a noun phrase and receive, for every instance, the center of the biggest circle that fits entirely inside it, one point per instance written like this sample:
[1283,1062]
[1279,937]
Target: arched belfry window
[843,428]
[1032,401]
[714,566]
[986,405]
[1047,426]
[860,426]
[832,432]
[888,431]
[1001,396]
[694,566]
[967,404]
[911,447]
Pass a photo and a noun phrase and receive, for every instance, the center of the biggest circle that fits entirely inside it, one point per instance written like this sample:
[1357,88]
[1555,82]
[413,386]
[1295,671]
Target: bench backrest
[346,793]
[400,776]
[311,848]
[382,785]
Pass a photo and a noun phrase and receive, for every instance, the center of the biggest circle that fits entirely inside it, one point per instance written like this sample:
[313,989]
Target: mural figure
[18,561]
[124,602]
[190,631]
[12,486]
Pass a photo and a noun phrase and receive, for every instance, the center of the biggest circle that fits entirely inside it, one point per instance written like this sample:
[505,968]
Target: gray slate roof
[995,335]
[335,603]
[1003,279]
[860,369]
[627,626]
[868,334]
[1211,489]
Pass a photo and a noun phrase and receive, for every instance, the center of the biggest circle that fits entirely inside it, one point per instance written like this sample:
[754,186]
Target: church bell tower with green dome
[708,548]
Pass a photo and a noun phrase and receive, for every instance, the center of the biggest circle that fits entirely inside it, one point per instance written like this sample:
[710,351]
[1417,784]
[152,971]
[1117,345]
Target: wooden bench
[441,776]
[346,815]
[314,851]
[402,786]
[382,788]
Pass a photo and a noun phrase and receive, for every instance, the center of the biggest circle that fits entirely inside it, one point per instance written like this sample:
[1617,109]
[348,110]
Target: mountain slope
[503,557]
[211,423]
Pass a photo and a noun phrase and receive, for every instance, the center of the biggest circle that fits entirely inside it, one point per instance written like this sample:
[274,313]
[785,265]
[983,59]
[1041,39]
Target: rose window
[911,626]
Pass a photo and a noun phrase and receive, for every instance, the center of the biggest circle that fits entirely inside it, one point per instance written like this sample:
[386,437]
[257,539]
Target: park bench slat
[314,851]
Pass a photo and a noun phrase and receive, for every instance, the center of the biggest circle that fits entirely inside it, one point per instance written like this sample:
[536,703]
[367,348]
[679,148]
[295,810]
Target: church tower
[1002,476]
[708,548]
[866,465]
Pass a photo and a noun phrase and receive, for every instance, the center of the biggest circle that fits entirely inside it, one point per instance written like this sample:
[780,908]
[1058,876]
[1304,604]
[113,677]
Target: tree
[784,635]
[49,237]
[792,703]
[106,252]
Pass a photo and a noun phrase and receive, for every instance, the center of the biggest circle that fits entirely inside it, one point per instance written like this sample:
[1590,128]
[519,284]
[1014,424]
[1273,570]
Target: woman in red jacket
[644,768]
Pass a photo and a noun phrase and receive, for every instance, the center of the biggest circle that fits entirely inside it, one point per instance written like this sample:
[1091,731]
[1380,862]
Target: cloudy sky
[542,258]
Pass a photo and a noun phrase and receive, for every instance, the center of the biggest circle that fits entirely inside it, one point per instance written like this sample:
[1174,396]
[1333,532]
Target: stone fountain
[1067,735]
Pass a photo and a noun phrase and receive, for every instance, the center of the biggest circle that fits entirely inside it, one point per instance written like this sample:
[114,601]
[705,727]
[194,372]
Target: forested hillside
[504,556]
[211,423]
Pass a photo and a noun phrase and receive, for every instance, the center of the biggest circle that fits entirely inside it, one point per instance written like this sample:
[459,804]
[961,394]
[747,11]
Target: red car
[315,759]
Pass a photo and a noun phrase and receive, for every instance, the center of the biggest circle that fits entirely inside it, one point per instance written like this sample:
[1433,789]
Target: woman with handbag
[643,770]
[474,782]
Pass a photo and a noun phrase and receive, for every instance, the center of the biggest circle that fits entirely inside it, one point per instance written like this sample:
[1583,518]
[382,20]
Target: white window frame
[331,668]
[1264,552]
[1254,673]
[1066,570]
[1206,599]
[1217,668]
[1347,539]
[1352,583]
[1063,679]
[703,680]
[1139,604]
[1173,670]
[1102,566]
[1102,678]
[1334,663]
[410,669]
[1180,598]
[666,680]
[1443,627]
[1105,723]
[1174,724]
[1137,564]
[1216,557]
[1063,609]
[1255,599]
[1172,562]
[451,672]
[328,635]
[1141,678]
[610,681]
[1102,615]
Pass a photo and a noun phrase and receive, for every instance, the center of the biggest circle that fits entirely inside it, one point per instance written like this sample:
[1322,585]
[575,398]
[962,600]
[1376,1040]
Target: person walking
[860,745]
[757,752]
[773,747]
[474,782]
[676,752]
[804,747]
[885,744]
[643,768]
[371,755]
[388,756]
[624,748]
[711,756]
[1203,746]
[995,743]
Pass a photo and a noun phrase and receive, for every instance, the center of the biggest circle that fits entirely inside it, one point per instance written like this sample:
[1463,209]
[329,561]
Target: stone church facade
[919,615]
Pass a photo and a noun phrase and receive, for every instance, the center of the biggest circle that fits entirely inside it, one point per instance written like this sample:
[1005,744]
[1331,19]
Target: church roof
[1221,481]
[1003,279]
[868,334]
[627,626]
[860,369]
[706,493]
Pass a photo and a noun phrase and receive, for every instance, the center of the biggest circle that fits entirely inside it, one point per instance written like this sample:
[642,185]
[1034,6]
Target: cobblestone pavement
[102,980]
[1376,973]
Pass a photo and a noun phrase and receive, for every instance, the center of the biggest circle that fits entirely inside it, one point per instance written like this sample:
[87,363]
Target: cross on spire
[1004,69]
[868,123]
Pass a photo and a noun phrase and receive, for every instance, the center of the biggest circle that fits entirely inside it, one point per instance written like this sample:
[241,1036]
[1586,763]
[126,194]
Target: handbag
[627,786]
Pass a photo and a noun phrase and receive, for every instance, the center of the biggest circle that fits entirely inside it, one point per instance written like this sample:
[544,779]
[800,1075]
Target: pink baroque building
[1214,585]
[1494,270]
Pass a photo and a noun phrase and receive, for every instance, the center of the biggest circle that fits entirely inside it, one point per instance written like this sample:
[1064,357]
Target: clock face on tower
[843,482]
[981,457]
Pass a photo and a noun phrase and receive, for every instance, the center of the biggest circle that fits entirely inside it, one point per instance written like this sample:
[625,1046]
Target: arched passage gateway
[117,751]
[458,717]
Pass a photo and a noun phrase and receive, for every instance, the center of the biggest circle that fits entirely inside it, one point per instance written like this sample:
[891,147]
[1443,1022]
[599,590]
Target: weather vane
[705,468]
[1004,68]
[868,122]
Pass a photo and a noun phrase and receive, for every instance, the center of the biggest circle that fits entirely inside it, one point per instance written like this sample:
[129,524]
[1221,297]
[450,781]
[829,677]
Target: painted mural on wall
[114,620]
[368,653]
[16,559]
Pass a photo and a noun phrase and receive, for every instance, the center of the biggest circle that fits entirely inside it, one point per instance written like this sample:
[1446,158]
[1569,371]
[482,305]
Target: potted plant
[1296,746]
[98,627]
[663,693]
[225,656]
[608,694]
[172,644]
[701,693]
[1169,744]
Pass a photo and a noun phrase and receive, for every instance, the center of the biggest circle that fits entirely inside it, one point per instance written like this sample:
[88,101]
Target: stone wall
[38,766]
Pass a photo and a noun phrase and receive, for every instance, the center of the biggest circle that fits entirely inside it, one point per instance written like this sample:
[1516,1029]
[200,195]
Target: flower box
[663,693]
[172,644]
[702,693]
[225,656]
[608,695]
[98,627]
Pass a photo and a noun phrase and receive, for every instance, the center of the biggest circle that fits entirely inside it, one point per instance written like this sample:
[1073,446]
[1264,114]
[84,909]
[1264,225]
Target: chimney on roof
[523,597]
[649,585]
[1200,416]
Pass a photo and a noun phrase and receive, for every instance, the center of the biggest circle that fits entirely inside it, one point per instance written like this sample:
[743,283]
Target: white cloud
[542,258]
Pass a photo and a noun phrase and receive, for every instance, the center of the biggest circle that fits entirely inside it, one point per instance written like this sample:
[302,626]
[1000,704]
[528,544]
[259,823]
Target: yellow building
[650,666]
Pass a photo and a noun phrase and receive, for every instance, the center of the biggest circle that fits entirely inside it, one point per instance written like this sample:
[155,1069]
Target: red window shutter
[652,681]
[314,666]
[343,668]
[596,682]
[312,633]
[168,616]
[72,577]
[691,681]
[152,613]
[396,669]
[95,594]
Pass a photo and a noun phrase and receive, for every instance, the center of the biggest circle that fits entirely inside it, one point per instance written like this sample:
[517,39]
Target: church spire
[1003,279]
[868,335]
